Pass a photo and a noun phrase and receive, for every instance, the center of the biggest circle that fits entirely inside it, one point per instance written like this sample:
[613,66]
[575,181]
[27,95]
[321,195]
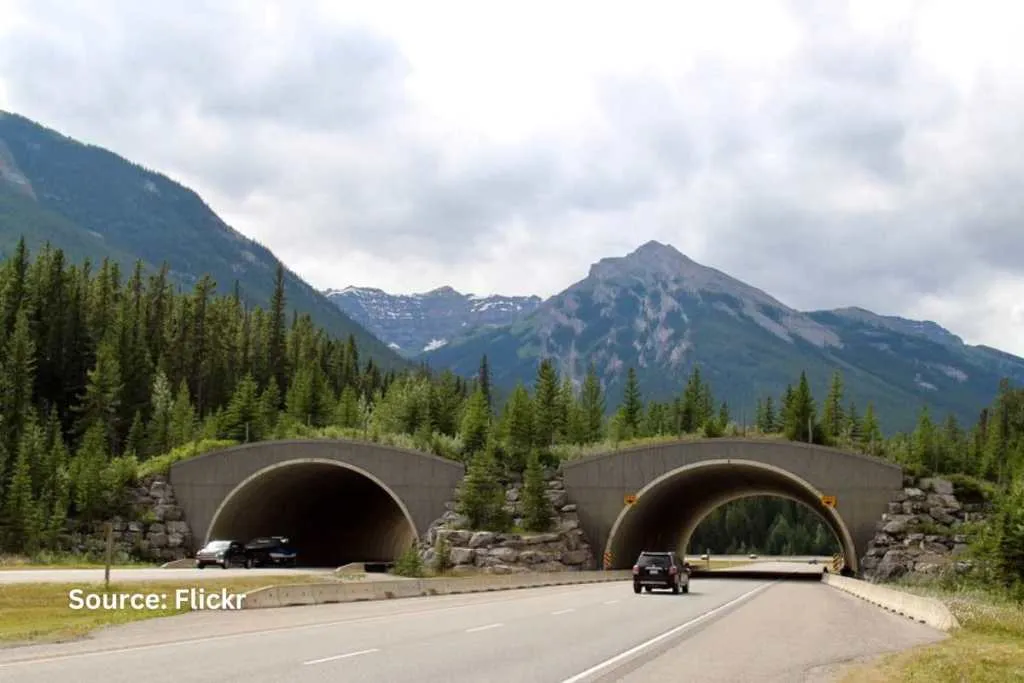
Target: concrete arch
[669,508]
[331,519]
[333,487]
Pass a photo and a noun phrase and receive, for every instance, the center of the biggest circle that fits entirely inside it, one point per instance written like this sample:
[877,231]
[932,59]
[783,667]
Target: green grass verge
[988,648]
[41,612]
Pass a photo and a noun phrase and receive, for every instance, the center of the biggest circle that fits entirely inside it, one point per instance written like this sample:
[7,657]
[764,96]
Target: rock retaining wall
[923,533]
[154,531]
[563,548]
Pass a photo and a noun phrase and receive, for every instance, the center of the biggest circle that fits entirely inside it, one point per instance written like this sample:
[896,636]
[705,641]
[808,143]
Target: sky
[868,153]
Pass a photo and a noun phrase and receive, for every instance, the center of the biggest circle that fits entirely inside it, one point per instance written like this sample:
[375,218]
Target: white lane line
[564,611]
[612,602]
[583,675]
[483,628]
[337,657]
[268,631]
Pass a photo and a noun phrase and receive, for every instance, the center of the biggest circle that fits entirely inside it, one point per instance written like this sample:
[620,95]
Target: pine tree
[833,418]
[475,424]
[484,380]
[800,416]
[17,377]
[632,404]
[102,400]
[771,420]
[592,406]
[537,513]
[182,426]
[158,431]
[244,418]
[519,428]
[87,473]
[24,521]
[277,350]
[482,497]
[347,413]
[545,393]
[135,444]
[871,434]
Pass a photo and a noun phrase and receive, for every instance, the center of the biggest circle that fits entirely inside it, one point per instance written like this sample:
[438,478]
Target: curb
[326,593]
[921,609]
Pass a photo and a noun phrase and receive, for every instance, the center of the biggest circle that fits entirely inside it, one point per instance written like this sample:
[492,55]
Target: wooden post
[108,529]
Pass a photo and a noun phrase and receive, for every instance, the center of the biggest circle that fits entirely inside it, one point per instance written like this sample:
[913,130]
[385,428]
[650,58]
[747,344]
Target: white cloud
[869,155]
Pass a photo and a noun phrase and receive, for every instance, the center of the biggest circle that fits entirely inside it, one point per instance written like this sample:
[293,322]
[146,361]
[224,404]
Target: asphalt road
[126,575]
[727,629]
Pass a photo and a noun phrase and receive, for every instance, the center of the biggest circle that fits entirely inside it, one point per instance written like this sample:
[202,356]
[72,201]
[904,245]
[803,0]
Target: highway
[728,630]
[127,575]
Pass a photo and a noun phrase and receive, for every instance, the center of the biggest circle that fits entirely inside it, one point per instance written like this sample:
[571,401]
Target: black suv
[271,550]
[661,570]
[224,553]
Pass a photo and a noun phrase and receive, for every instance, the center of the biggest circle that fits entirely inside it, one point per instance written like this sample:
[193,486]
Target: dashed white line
[337,657]
[611,602]
[564,611]
[583,675]
[483,628]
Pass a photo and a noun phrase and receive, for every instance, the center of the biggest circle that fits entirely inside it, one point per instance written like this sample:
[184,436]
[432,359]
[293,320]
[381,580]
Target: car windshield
[217,545]
[654,561]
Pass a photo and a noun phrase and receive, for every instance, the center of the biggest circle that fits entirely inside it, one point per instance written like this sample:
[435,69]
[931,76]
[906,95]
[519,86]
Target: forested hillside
[106,377]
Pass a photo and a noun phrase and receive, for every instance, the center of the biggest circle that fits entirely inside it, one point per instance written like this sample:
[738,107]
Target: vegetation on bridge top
[107,378]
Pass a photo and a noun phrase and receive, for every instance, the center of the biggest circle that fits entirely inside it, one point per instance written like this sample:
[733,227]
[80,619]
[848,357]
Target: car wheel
[636,588]
[686,588]
[226,564]
[648,588]
[675,588]
[248,563]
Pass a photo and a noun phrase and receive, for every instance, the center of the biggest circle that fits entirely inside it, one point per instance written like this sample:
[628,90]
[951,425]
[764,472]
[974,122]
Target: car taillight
[673,570]
[636,569]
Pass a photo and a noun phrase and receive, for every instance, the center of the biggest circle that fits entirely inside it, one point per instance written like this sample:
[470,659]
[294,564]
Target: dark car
[224,553]
[271,550]
[661,570]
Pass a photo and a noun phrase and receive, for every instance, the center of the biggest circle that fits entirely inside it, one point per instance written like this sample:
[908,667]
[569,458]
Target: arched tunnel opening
[332,514]
[669,509]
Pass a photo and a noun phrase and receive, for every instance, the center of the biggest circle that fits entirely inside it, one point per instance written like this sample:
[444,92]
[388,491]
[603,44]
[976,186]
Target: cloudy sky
[870,154]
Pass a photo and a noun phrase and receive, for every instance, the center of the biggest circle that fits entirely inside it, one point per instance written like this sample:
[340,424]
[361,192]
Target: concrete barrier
[925,610]
[331,592]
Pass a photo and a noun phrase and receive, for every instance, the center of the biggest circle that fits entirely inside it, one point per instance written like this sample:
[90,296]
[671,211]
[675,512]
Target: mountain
[414,323]
[662,313]
[94,204]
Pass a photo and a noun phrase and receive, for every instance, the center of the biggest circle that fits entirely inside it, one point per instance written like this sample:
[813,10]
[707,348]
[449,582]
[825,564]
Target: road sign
[829,501]
[630,499]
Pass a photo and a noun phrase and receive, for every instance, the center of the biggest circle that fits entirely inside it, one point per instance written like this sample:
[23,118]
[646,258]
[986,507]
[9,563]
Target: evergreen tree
[546,399]
[484,380]
[833,417]
[519,428]
[17,377]
[482,496]
[537,512]
[101,403]
[475,423]
[800,413]
[244,418]
[182,428]
[135,444]
[347,414]
[158,431]
[632,404]
[592,406]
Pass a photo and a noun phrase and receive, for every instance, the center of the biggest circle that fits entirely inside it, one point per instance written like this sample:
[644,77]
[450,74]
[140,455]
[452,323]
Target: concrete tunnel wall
[670,508]
[335,499]
[599,484]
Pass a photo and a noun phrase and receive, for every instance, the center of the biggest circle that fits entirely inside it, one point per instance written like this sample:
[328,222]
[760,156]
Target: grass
[988,648]
[41,612]
[63,561]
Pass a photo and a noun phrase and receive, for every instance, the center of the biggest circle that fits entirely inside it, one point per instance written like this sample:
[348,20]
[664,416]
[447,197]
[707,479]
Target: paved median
[925,610]
[324,593]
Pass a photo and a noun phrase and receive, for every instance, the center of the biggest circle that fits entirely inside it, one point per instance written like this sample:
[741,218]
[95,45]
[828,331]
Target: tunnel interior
[331,514]
[667,512]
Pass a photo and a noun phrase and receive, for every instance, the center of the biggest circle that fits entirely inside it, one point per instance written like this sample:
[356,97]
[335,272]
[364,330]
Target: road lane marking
[337,657]
[483,628]
[612,602]
[564,611]
[285,629]
[611,661]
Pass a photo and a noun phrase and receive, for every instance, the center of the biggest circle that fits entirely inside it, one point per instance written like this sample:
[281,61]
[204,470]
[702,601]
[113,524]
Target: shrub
[410,563]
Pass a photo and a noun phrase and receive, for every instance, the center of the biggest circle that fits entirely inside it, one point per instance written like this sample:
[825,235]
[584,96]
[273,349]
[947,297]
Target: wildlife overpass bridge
[342,501]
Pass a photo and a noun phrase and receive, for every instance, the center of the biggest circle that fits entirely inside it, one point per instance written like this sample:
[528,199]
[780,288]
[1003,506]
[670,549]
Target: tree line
[101,375]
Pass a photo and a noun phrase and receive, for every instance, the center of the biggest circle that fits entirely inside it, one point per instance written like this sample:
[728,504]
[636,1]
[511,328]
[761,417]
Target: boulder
[462,555]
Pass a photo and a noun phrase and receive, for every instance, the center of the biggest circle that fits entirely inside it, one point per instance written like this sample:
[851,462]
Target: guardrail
[323,593]
[925,610]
